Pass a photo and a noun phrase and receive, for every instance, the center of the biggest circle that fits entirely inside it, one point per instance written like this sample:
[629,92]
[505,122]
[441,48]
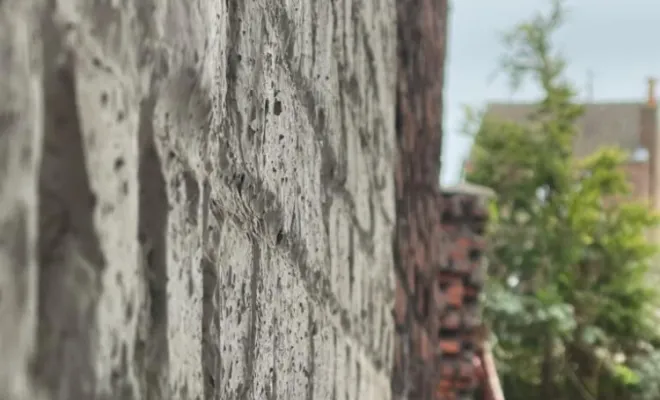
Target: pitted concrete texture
[196,199]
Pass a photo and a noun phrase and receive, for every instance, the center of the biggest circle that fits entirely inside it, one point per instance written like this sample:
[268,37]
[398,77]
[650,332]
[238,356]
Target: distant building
[631,126]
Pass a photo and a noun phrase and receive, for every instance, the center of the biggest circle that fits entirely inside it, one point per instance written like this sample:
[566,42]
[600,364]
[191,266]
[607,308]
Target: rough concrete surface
[196,199]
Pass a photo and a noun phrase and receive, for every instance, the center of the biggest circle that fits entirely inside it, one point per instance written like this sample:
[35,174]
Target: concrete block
[200,195]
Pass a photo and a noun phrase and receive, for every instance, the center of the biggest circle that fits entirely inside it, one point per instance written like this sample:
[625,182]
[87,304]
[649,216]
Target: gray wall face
[196,199]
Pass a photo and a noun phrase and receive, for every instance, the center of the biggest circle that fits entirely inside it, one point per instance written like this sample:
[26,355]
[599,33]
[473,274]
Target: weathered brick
[455,292]
[452,320]
[449,346]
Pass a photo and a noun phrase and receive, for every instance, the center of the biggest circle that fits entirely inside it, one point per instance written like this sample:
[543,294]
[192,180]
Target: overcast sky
[618,40]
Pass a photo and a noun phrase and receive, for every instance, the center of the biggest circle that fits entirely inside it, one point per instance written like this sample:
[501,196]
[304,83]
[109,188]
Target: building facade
[631,126]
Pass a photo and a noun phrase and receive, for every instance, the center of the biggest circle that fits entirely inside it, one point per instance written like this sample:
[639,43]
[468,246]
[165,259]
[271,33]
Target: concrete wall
[196,199]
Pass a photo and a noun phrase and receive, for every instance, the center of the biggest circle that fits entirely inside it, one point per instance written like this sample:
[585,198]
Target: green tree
[568,302]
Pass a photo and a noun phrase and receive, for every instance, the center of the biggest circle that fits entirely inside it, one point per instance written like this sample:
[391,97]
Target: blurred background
[610,45]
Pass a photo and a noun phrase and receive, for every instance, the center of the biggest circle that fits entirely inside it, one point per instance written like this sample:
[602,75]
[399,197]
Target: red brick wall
[437,308]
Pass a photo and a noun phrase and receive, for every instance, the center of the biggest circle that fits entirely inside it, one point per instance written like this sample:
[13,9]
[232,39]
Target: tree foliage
[568,302]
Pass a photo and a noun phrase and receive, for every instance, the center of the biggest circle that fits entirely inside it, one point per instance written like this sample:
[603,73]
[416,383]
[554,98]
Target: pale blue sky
[618,40]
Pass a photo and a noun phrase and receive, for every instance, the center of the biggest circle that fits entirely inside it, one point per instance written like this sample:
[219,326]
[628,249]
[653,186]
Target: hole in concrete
[119,163]
[152,226]
[321,119]
[210,329]
[240,180]
[192,195]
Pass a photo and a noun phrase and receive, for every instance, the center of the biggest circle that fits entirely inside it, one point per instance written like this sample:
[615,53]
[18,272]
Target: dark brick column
[421,28]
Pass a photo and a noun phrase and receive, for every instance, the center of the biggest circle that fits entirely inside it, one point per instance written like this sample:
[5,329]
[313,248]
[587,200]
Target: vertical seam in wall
[71,261]
[152,228]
